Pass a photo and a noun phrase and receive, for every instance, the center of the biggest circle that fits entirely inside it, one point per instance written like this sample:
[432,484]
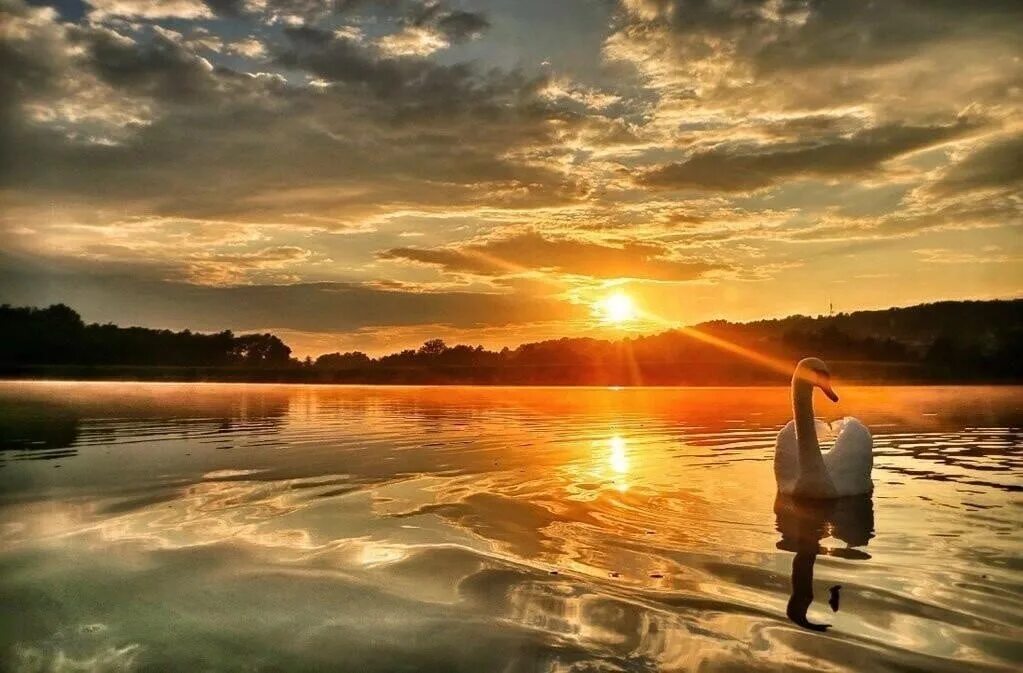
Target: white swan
[799,467]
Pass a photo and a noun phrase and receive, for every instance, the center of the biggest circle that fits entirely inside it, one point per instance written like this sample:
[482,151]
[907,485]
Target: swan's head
[816,373]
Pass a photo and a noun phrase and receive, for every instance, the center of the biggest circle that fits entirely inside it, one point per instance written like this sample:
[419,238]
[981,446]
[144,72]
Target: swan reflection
[803,524]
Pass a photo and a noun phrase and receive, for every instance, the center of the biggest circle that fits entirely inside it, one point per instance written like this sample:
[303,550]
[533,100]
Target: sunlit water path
[174,527]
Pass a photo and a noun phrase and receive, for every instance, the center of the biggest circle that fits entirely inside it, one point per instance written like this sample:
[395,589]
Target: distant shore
[946,342]
[850,373]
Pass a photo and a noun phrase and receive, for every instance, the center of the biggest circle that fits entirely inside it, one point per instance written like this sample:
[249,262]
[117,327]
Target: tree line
[57,335]
[978,341]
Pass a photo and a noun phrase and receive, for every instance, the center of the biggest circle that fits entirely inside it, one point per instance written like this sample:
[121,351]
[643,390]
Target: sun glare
[618,459]
[618,308]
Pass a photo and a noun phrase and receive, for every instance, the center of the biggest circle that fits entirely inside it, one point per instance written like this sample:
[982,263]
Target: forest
[960,341]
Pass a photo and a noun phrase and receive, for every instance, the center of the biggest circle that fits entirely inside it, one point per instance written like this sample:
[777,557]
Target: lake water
[176,527]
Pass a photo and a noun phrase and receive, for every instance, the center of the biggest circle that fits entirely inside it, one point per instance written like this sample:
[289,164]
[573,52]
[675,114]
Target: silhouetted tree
[342,361]
[944,341]
[262,349]
[432,347]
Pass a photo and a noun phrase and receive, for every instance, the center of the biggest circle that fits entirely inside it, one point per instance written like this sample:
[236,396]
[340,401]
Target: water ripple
[499,529]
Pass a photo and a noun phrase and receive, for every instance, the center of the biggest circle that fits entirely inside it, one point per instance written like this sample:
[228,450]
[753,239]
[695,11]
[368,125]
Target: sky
[368,174]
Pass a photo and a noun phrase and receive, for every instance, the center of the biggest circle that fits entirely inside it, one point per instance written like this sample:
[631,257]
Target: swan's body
[848,463]
[799,466]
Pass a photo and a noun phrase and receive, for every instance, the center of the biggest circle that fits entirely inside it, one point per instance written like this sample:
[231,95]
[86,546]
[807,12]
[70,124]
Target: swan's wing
[786,458]
[851,459]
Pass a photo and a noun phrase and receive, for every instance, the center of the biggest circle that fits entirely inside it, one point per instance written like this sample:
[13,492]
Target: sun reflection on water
[602,528]
[619,462]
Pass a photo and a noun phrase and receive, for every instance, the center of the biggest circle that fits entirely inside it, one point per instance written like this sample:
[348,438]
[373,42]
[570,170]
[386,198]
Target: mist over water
[185,527]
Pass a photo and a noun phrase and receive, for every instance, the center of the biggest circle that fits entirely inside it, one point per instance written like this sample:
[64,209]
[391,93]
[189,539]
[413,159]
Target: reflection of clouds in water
[225,509]
[227,474]
[371,555]
[288,527]
[636,634]
[51,657]
[596,621]
[87,647]
[390,517]
[245,511]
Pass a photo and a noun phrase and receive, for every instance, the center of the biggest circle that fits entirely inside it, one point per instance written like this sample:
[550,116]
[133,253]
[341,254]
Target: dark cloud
[996,165]
[227,8]
[417,85]
[857,34]
[35,62]
[161,67]
[313,307]
[903,60]
[338,58]
[802,34]
[195,140]
[531,251]
[458,25]
[454,23]
[742,168]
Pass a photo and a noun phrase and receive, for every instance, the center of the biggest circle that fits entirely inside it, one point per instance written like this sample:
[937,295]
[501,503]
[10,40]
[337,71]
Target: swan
[799,467]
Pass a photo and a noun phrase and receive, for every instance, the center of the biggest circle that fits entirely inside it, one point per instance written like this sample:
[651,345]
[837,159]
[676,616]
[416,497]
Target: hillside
[974,341]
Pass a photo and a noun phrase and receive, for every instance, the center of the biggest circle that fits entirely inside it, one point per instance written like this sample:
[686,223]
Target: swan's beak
[826,387]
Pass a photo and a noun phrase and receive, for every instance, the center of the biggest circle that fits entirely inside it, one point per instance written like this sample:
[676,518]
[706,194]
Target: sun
[618,308]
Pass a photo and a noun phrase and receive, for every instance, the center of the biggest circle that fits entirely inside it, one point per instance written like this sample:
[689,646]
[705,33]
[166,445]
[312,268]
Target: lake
[193,527]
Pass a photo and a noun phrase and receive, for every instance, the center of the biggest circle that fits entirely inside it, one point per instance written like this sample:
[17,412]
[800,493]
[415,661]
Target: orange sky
[369,175]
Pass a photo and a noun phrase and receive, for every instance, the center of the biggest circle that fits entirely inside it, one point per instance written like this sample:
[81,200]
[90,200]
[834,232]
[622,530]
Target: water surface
[191,527]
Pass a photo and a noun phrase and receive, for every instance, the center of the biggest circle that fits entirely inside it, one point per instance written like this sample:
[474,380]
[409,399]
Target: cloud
[585,96]
[862,35]
[227,8]
[413,41]
[742,168]
[800,35]
[459,25]
[913,217]
[249,47]
[995,165]
[337,57]
[174,135]
[903,59]
[313,307]
[947,256]
[161,68]
[149,9]
[227,268]
[532,251]
[432,27]
[666,140]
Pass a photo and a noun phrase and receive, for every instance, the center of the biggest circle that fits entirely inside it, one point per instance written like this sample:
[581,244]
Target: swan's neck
[813,480]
